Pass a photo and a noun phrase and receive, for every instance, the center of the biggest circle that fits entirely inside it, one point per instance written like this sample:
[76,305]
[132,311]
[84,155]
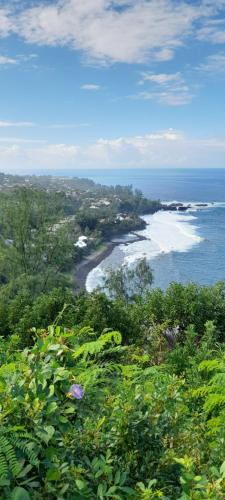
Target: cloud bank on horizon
[112,83]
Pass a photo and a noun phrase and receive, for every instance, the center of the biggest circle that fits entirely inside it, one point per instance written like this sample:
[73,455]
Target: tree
[35,246]
[127,282]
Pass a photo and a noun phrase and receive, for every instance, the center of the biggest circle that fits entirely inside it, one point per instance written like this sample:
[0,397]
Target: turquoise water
[204,263]
[203,260]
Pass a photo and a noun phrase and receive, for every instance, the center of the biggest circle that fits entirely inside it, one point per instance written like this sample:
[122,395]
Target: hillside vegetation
[103,395]
[132,412]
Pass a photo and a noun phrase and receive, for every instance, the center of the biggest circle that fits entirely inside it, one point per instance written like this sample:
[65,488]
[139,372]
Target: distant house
[82,242]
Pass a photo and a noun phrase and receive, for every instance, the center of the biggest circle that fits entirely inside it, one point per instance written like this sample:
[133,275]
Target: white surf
[165,232]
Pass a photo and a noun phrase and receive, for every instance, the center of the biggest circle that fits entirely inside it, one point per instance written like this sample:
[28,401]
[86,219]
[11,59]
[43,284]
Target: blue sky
[111,84]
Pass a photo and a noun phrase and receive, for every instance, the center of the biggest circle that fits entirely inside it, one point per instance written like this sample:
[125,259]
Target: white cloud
[5,61]
[90,86]
[6,24]
[20,140]
[20,59]
[213,31]
[214,64]
[107,33]
[22,156]
[168,148]
[180,97]
[27,124]
[166,88]
[161,78]
[8,124]
[164,55]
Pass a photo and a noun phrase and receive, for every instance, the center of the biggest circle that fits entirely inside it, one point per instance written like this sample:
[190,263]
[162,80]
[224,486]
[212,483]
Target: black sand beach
[90,262]
[84,267]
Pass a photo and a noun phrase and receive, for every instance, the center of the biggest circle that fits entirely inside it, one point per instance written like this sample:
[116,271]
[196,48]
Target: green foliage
[28,244]
[213,394]
[127,283]
[94,347]
[150,419]
[133,433]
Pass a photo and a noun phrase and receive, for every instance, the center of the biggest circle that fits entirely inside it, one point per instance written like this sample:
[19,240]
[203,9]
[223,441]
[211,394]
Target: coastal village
[89,215]
[93,212]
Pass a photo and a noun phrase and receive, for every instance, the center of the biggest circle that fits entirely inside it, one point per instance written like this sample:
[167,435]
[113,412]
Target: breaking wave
[165,232]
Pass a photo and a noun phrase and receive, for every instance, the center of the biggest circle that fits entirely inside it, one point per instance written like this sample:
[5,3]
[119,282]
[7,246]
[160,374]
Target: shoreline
[90,262]
[93,260]
[85,266]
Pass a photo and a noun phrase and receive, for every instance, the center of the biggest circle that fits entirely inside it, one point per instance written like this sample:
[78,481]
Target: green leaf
[52,407]
[20,494]
[51,330]
[70,409]
[51,391]
[54,347]
[80,484]
[25,471]
[222,470]
[4,482]
[53,475]
[47,433]
[2,385]
[111,490]
[102,488]
[117,477]
[127,490]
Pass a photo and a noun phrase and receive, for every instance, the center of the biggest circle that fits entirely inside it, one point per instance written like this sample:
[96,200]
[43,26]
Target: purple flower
[76,391]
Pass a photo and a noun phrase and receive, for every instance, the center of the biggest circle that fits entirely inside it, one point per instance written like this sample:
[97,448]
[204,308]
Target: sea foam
[165,232]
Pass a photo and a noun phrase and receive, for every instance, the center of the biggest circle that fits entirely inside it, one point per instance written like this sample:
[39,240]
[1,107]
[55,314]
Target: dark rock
[176,207]
[184,208]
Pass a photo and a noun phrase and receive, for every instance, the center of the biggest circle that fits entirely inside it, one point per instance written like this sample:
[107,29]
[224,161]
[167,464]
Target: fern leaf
[28,451]
[213,401]
[10,455]
[3,466]
[98,345]
[211,365]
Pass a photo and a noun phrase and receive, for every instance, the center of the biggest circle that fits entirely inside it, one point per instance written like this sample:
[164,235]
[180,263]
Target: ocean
[165,184]
[181,247]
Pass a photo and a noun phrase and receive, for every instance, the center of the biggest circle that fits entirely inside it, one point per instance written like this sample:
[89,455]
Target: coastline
[93,260]
[85,266]
[90,262]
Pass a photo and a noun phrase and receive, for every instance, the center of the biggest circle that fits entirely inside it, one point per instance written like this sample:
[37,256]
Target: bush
[84,417]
